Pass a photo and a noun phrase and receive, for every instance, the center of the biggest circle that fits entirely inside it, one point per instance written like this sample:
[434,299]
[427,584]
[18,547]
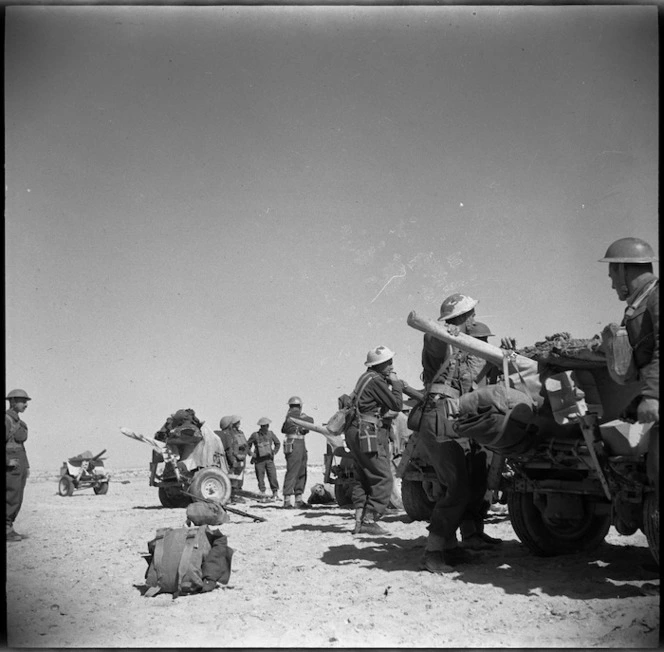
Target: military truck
[573,466]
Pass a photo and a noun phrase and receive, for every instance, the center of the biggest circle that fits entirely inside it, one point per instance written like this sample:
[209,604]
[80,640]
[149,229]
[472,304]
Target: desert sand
[301,579]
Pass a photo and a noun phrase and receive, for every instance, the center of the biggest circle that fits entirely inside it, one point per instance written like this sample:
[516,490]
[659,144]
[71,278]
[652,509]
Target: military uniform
[16,462]
[266,446]
[372,483]
[295,451]
[453,377]
[642,327]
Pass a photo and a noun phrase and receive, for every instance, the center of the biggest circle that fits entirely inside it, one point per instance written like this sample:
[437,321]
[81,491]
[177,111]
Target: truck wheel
[547,538]
[101,489]
[651,524]
[211,483]
[343,494]
[173,497]
[416,503]
[65,486]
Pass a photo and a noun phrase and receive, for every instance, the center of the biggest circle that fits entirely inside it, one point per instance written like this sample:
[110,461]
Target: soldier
[472,531]
[631,273]
[295,452]
[378,391]
[16,459]
[240,450]
[267,445]
[446,375]
[235,448]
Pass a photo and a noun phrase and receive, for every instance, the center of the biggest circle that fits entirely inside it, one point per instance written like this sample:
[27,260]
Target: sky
[222,207]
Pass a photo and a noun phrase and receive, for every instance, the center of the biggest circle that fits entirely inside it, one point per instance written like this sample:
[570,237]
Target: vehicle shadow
[609,572]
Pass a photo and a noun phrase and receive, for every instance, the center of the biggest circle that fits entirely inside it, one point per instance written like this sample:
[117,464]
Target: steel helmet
[264,421]
[455,305]
[294,400]
[18,393]
[629,250]
[378,355]
[236,418]
[226,422]
[478,329]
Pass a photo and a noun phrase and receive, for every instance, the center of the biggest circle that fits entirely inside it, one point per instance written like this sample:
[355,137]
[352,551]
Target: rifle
[232,510]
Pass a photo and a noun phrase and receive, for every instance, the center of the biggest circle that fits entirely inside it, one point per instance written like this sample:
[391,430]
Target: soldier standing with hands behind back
[295,451]
[16,459]
[266,445]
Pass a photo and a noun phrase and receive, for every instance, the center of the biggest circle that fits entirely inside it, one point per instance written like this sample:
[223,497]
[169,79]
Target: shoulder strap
[630,310]
[451,358]
[190,543]
[362,383]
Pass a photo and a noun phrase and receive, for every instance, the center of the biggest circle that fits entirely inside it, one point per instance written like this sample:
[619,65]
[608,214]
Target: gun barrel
[472,345]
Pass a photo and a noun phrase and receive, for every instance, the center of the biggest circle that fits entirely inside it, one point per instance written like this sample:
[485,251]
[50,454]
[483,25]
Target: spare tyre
[416,502]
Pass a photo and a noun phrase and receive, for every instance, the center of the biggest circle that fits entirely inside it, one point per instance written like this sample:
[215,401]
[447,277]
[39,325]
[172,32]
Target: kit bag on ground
[187,560]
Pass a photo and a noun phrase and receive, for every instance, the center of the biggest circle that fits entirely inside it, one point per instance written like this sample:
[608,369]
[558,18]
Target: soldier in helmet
[446,375]
[235,447]
[16,459]
[472,531]
[377,392]
[631,273]
[295,451]
[266,445]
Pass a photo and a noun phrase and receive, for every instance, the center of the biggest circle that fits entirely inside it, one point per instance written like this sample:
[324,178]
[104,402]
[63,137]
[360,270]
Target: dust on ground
[301,579]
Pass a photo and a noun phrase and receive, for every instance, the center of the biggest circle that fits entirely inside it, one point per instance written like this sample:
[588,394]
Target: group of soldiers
[447,374]
[261,448]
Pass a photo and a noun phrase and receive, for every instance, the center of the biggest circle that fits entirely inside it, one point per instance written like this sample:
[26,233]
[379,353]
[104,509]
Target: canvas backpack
[176,560]
[340,420]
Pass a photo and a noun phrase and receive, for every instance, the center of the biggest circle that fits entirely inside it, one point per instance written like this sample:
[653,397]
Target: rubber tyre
[211,483]
[651,524]
[101,489]
[343,494]
[172,497]
[547,539]
[415,500]
[65,486]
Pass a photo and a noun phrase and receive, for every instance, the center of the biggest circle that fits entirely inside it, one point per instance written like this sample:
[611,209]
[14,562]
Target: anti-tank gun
[575,466]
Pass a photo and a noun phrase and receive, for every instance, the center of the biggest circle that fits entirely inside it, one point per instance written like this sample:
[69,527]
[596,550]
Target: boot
[12,535]
[359,514]
[288,502]
[369,525]
[456,556]
[263,498]
[275,497]
[494,541]
[433,562]
[475,542]
[300,503]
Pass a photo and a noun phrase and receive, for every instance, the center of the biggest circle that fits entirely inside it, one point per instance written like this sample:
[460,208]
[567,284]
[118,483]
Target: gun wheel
[101,489]
[173,497]
[548,538]
[343,494]
[65,486]
[211,483]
